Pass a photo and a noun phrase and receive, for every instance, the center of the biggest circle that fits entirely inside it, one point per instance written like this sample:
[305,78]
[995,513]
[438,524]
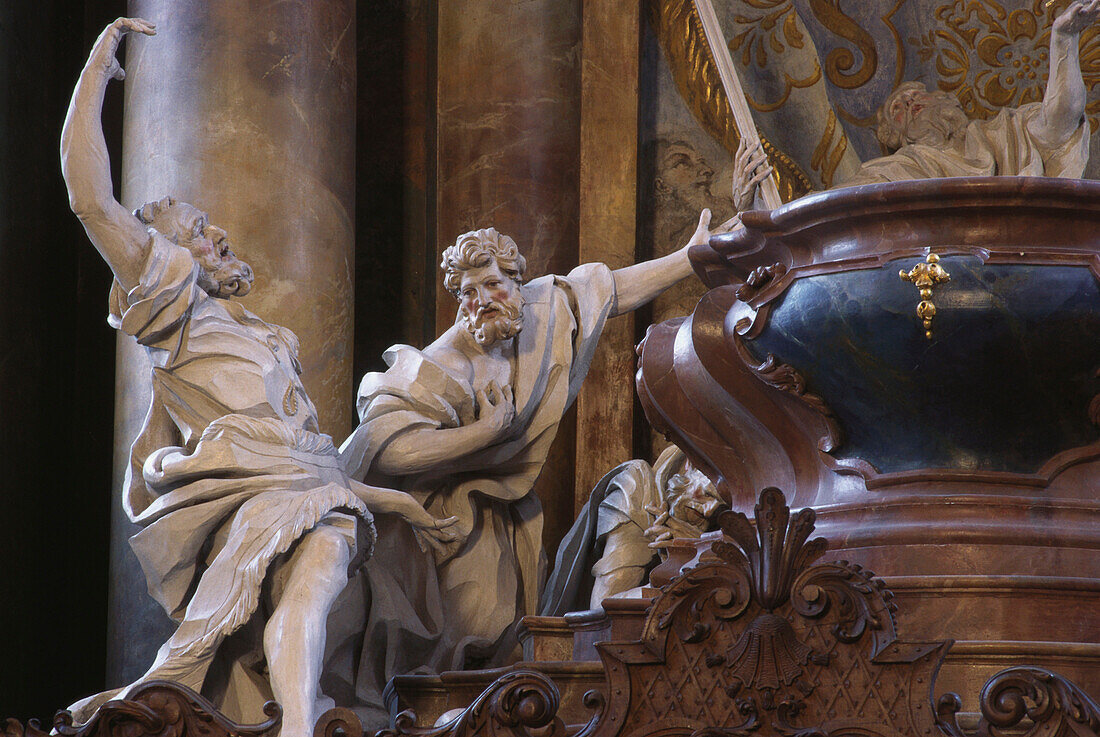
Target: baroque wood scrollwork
[754,638]
[523,702]
[786,378]
[1031,701]
[154,709]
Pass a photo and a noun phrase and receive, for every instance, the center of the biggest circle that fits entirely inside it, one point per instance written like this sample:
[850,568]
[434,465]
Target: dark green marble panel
[1003,384]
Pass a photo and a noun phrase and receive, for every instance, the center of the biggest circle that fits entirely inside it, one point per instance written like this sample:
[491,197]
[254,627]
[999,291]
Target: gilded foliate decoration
[991,57]
[769,25]
[841,63]
[680,32]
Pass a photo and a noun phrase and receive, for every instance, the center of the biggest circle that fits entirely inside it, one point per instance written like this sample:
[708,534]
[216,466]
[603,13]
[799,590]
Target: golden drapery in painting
[680,32]
[814,71]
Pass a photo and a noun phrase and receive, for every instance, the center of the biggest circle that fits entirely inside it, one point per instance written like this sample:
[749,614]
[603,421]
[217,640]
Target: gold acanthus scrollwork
[770,25]
[829,151]
[840,63]
[680,32]
[991,57]
[924,276]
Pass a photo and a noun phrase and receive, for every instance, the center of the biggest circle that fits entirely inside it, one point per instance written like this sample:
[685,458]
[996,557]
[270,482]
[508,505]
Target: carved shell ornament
[768,653]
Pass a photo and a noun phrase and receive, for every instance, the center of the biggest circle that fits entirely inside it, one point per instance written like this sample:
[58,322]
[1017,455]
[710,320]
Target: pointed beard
[505,323]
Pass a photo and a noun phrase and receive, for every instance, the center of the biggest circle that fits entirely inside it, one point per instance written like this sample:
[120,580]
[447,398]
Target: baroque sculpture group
[253,523]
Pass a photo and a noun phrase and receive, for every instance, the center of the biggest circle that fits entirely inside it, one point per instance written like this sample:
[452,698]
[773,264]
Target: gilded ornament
[991,57]
[290,401]
[830,150]
[924,276]
[840,63]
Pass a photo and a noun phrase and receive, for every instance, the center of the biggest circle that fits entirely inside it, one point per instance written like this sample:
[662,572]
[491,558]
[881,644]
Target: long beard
[231,280]
[937,125]
[505,323]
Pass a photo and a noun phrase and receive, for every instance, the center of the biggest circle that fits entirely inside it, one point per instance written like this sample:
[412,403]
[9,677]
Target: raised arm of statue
[1064,102]
[639,284]
[118,236]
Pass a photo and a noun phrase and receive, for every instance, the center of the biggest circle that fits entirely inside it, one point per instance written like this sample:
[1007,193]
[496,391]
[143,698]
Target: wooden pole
[739,104]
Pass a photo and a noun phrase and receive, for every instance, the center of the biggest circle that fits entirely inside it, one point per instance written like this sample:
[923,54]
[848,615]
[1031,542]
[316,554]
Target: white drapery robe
[433,612]
[1002,146]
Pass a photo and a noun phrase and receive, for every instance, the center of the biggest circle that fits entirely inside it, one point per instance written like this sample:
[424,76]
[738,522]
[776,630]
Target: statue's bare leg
[294,638]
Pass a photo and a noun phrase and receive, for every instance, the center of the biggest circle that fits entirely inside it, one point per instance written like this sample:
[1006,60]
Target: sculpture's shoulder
[591,277]
[436,375]
[450,353]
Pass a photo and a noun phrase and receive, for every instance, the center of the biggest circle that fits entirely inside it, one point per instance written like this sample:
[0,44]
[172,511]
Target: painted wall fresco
[815,71]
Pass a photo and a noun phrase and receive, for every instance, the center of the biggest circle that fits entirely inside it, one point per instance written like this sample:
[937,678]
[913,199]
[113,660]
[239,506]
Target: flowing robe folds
[1004,145]
[606,549]
[227,473]
[457,607]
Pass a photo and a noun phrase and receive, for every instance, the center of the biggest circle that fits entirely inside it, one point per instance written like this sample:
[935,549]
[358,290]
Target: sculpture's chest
[246,365]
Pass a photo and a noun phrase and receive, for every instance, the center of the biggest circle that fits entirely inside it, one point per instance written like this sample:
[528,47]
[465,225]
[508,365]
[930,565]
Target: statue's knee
[325,552]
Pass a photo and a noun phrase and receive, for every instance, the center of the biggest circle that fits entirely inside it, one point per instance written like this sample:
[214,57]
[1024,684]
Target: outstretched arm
[1064,102]
[118,236]
[641,283]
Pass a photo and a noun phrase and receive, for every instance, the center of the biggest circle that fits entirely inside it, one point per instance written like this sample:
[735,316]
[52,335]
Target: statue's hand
[666,528]
[429,531]
[750,168]
[703,231]
[103,53]
[1077,17]
[496,409]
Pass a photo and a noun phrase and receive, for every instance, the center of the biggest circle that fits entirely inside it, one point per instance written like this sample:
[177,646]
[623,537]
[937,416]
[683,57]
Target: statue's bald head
[222,274]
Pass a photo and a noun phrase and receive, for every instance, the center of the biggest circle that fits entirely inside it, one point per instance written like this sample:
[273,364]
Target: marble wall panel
[608,215]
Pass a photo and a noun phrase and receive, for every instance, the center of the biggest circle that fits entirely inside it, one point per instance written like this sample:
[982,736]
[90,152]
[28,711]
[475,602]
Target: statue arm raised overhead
[118,236]
[1063,108]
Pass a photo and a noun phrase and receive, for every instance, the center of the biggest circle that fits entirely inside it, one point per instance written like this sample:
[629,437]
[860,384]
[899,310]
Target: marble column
[507,147]
[246,110]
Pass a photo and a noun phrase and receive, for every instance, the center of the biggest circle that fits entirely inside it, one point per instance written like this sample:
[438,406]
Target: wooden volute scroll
[154,709]
[753,638]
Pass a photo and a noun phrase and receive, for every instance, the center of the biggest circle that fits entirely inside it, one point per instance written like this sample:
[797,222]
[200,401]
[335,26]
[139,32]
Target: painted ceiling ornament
[769,25]
[991,57]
